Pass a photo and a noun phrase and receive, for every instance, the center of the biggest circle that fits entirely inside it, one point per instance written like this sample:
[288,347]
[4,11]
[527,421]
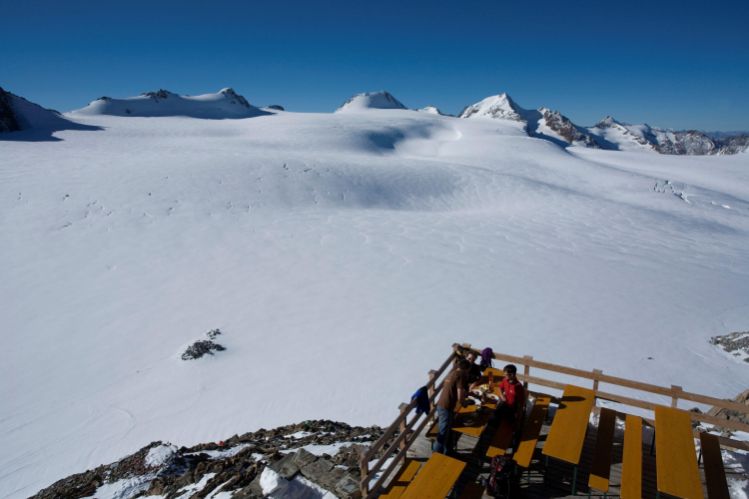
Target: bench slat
[436,478]
[404,478]
[601,468]
[675,456]
[715,474]
[531,430]
[632,460]
[567,433]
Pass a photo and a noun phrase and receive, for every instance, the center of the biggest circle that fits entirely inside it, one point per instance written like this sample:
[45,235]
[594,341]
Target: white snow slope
[341,255]
[370,100]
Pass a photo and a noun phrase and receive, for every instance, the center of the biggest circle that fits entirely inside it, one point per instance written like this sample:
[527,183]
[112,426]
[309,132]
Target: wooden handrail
[406,436]
[642,404]
[597,375]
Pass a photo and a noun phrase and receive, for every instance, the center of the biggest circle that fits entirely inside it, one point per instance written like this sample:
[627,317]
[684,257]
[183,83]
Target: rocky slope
[313,457]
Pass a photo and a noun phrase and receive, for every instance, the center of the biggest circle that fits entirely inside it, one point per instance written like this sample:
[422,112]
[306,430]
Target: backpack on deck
[501,477]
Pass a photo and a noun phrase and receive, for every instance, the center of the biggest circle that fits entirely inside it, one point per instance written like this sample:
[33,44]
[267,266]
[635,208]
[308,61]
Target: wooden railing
[408,430]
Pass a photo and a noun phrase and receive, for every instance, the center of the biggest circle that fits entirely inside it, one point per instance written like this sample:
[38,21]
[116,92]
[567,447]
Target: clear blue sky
[671,64]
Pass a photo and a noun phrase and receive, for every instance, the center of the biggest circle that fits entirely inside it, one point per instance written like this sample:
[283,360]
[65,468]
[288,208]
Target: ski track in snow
[341,255]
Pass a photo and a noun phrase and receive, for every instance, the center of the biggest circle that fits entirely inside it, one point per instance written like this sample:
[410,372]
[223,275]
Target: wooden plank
[675,457]
[405,477]
[567,433]
[600,470]
[501,440]
[715,474]
[531,430]
[631,487]
[436,478]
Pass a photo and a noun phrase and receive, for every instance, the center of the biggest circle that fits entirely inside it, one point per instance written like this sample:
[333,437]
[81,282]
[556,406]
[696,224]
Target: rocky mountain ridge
[312,457]
[606,134]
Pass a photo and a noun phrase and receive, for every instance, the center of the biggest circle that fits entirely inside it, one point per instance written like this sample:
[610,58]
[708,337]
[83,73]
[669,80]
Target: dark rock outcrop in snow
[8,122]
[568,131]
[203,347]
[25,121]
[234,465]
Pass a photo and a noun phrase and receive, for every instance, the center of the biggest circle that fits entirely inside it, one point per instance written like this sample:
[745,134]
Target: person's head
[510,371]
[464,365]
[471,356]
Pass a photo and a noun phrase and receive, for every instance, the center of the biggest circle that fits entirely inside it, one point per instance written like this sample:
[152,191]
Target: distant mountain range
[607,133]
[17,113]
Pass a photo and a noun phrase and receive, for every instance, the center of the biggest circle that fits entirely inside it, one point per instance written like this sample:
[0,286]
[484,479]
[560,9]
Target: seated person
[451,398]
[511,396]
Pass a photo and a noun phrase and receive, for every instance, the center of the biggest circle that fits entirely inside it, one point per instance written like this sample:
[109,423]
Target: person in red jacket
[511,396]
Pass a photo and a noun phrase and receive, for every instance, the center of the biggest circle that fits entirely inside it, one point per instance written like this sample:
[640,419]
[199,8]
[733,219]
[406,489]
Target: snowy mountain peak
[606,122]
[431,110]
[226,103]
[371,100]
[499,106]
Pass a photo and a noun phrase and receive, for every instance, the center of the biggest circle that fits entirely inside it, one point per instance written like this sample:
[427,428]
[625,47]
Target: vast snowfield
[341,255]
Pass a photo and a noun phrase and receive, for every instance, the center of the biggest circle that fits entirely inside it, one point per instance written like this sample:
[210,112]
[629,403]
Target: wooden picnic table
[436,477]
[472,419]
[567,433]
[675,456]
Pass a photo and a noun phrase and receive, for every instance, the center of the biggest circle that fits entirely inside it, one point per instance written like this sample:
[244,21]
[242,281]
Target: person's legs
[443,436]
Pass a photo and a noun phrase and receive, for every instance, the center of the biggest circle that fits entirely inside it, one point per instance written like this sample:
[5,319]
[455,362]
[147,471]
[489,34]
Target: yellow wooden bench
[531,430]
[715,475]
[435,479]
[675,456]
[402,480]
[567,433]
[600,470]
[631,487]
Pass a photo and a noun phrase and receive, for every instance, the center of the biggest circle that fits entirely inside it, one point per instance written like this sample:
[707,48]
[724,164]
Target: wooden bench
[435,479]
[402,480]
[531,430]
[715,475]
[675,456]
[631,487]
[600,470]
[567,433]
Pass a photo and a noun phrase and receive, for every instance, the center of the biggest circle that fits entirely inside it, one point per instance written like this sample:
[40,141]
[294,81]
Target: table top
[436,477]
[567,433]
[675,455]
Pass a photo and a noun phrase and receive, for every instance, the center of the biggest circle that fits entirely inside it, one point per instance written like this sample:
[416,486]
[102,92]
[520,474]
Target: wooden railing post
[430,384]
[364,470]
[402,426]
[527,359]
[596,378]
[675,389]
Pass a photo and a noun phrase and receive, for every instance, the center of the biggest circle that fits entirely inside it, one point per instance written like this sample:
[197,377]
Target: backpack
[501,475]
